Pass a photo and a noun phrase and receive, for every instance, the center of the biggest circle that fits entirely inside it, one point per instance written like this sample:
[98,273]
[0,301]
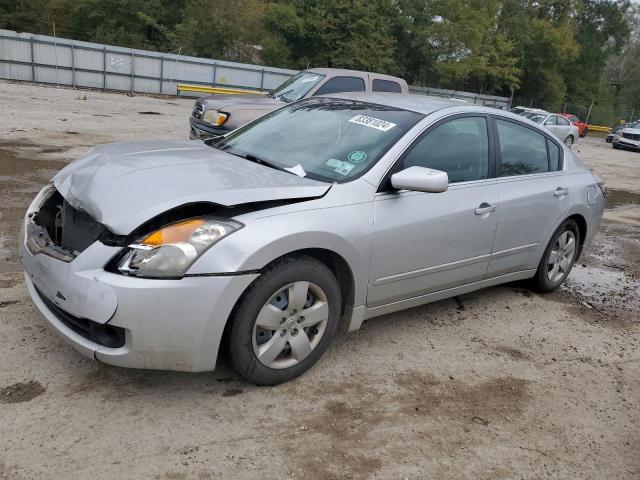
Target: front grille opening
[103,334]
[71,229]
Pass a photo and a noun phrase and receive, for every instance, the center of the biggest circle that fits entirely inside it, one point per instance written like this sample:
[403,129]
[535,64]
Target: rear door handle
[561,191]
[485,208]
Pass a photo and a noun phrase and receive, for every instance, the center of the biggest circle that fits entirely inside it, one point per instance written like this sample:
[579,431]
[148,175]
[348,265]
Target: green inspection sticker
[345,168]
[357,156]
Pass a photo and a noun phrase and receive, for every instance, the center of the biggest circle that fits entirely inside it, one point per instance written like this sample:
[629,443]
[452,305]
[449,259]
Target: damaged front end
[54,228]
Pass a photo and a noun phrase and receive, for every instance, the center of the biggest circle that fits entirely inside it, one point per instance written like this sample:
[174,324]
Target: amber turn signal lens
[178,232]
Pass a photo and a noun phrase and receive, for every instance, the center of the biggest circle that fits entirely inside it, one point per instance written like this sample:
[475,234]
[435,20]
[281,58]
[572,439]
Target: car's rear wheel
[559,257]
[284,321]
[568,141]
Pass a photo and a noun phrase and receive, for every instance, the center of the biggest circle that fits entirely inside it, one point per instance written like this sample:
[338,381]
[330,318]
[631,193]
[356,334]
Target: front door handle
[485,208]
[561,191]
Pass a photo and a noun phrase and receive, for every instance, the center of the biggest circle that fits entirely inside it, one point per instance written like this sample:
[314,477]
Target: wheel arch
[582,229]
[332,260]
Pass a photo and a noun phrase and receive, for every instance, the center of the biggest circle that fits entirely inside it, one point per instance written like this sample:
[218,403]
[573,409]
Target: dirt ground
[498,384]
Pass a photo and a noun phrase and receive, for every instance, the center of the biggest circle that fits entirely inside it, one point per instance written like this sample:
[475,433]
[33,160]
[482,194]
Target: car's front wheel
[284,321]
[559,257]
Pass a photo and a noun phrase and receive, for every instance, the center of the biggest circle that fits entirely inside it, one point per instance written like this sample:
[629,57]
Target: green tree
[340,33]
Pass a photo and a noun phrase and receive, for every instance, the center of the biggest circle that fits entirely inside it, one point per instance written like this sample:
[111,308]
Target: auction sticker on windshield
[372,122]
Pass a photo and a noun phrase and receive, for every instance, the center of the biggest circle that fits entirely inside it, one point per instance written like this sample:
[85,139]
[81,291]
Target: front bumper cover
[622,142]
[168,324]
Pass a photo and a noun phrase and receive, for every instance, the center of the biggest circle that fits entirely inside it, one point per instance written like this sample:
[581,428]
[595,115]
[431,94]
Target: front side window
[341,84]
[459,147]
[523,150]
[326,139]
[380,85]
[297,86]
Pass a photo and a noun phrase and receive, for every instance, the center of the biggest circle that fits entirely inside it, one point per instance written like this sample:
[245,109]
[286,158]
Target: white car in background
[556,124]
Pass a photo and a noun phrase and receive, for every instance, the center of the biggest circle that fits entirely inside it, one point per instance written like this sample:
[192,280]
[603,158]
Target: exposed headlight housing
[170,251]
[214,117]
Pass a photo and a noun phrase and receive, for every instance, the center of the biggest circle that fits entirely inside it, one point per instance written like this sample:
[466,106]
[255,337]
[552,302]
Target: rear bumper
[200,130]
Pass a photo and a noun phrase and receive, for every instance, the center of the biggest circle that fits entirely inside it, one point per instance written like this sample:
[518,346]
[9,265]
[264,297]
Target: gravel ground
[501,383]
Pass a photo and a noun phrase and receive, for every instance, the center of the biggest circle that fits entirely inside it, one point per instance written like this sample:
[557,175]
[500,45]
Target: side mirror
[421,179]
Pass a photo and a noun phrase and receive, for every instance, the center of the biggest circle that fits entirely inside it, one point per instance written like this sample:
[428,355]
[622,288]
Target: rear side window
[459,147]
[554,156]
[552,120]
[523,150]
[341,84]
[386,86]
[563,121]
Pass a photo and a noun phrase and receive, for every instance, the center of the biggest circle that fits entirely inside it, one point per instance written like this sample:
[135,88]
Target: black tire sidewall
[300,268]
[542,280]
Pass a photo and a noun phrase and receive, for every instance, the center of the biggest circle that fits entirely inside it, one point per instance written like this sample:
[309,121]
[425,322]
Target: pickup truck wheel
[284,321]
[558,258]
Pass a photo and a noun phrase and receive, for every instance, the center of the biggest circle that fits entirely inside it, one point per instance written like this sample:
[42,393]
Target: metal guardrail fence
[44,59]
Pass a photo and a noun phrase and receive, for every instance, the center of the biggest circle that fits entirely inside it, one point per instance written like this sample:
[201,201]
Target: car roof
[406,101]
[336,72]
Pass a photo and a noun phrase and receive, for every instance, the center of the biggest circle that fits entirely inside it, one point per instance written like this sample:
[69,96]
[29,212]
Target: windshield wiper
[261,161]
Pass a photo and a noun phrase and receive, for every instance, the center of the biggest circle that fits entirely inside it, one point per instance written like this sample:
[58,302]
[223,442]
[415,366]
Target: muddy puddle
[604,287]
[607,276]
[619,198]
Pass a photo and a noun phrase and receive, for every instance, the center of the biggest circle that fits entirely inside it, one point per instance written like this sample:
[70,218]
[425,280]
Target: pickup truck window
[297,86]
[380,85]
[342,84]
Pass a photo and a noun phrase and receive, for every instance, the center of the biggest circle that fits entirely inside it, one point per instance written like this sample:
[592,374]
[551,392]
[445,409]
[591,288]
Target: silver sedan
[556,124]
[329,211]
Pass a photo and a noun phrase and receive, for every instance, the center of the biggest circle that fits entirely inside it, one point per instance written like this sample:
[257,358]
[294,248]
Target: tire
[266,322]
[615,146]
[569,141]
[585,132]
[545,279]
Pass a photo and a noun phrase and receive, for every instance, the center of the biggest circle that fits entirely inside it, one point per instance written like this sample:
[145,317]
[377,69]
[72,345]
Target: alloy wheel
[290,325]
[561,257]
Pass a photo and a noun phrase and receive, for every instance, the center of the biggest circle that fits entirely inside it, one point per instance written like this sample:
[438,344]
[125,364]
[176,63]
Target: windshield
[297,86]
[326,139]
[635,125]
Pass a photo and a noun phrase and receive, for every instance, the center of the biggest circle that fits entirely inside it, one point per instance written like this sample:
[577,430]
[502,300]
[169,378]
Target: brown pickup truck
[219,114]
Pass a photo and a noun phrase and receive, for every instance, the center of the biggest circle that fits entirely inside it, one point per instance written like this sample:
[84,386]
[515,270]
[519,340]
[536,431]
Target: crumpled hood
[122,185]
[226,103]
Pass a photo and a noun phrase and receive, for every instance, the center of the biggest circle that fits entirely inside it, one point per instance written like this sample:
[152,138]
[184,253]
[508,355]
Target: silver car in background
[627,137]
[556,124]
[329,211]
